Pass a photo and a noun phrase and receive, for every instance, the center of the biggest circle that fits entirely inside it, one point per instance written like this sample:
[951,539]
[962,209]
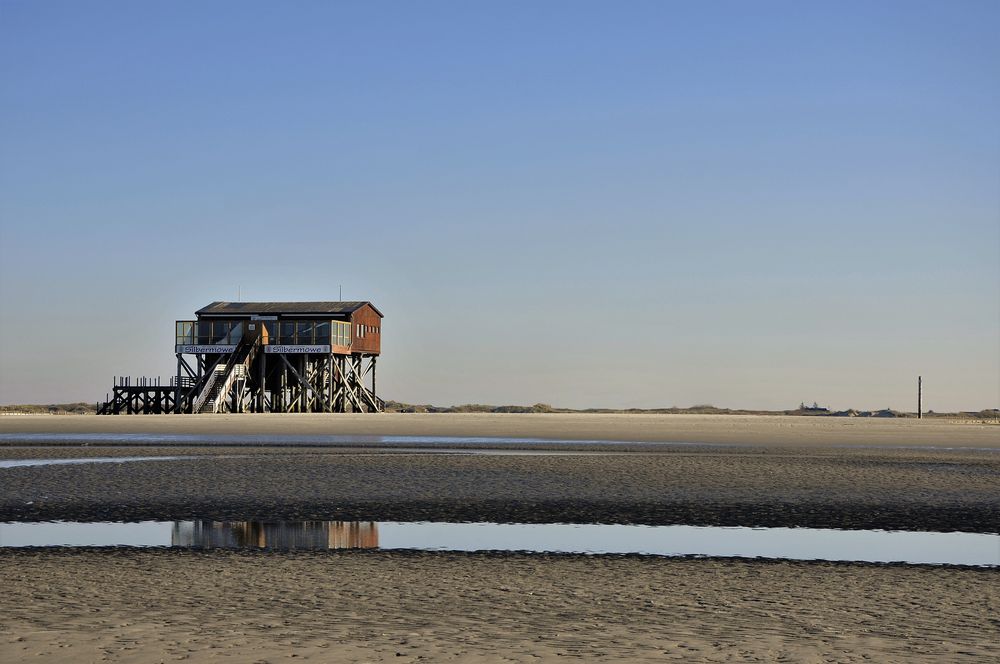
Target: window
[305,335]
[204,332]
[286,333]
[323,333]
[185,333]
[220,331]
[343,333]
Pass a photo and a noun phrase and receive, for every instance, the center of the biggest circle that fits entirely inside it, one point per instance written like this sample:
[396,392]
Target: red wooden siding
[366,331]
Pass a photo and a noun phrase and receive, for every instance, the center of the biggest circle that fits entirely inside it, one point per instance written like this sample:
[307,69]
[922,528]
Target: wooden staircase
[214,397]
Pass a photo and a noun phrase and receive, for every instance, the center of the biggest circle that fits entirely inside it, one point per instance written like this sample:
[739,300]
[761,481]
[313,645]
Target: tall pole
[920,397]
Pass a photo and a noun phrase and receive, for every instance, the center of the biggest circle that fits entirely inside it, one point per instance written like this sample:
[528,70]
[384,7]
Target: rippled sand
[164,606]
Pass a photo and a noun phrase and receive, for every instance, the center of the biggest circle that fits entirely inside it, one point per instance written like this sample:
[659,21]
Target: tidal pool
[21,463]
[40,439]
[875,546]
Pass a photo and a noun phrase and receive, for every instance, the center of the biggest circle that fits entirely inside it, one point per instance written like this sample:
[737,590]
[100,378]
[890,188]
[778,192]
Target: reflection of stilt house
[312,535]
[266,357]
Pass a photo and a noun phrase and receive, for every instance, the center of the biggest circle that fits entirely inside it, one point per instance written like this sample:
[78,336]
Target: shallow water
[20,463]
[782,543]
[277,440]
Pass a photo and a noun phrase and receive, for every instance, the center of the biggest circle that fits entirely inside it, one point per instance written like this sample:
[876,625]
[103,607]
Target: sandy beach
[726,429]
[150,605]
[165,606]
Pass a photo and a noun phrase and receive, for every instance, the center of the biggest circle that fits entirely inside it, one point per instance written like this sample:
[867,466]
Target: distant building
[265,357]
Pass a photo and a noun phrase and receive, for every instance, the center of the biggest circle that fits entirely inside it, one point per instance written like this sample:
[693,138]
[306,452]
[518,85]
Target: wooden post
[330,359]
[263,379]
[303,403]
[177,387]
[278,399]
[920,397]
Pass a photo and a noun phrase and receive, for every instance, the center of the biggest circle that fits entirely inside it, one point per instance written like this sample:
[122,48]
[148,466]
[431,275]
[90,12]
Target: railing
[231,371]
[142,394]
[206,391]
[185,382]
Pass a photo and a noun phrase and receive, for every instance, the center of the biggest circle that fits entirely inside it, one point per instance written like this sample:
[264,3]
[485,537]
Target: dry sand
[165,606]
[149,606]
[727,429]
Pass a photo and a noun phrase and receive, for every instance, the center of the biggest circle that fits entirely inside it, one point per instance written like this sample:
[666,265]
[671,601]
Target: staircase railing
[206,391]
[233,370]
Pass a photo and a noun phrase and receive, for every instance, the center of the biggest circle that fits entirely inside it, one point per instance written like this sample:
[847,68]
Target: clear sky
[749,204]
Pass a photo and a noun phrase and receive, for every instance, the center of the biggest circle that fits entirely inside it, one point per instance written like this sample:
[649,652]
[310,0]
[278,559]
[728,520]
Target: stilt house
[266,357]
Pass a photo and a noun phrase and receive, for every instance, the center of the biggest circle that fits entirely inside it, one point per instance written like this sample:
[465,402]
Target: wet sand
[162,606]
[753,471]
[861,488]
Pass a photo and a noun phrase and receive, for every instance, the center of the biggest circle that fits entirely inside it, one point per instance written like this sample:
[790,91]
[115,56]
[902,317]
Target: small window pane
[323,333]
[204,332]
[305,332]
[220,331]
[185,332]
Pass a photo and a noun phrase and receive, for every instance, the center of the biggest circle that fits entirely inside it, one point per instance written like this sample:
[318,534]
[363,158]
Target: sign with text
[256,317]
[206,348]
[277,348]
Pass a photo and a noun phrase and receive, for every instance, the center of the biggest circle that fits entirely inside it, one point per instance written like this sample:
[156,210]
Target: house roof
[285,308]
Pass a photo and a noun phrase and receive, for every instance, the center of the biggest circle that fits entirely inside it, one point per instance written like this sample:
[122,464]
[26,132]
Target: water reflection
[278,535]
[875,546]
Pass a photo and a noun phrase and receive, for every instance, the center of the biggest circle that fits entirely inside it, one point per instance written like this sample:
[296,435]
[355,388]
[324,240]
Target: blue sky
[581,203]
